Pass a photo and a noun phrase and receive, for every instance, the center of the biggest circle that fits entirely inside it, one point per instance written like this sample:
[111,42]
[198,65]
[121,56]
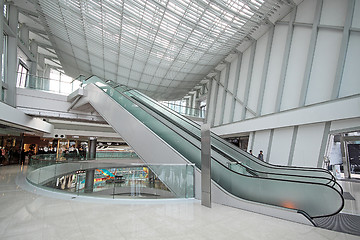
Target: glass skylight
[169,36]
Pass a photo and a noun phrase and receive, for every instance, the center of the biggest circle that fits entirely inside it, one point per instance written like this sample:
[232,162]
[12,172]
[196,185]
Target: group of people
[13,155]
[260,155]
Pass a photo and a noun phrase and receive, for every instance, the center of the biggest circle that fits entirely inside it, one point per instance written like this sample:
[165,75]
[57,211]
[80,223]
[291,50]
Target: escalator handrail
[278,167]
[269,165]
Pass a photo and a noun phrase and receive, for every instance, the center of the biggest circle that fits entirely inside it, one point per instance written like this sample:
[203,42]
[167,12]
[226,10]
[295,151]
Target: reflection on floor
[25,215]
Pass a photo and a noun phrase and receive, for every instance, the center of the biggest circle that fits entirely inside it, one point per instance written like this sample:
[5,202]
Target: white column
[310,57]
[343,49]
[33,67]
[12,63]
[236,85]
[216,80]
[285,61]
[248,80]
[1,46]
[223,100]
[265,72]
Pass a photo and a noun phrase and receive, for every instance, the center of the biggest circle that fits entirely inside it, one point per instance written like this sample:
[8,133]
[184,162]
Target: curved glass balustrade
[311,190]
[112,179]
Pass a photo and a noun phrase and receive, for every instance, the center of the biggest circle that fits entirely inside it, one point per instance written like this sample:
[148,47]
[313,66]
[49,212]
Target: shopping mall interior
[180,119]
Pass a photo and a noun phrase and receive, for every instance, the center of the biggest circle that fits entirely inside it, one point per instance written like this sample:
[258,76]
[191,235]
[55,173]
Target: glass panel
[112,180]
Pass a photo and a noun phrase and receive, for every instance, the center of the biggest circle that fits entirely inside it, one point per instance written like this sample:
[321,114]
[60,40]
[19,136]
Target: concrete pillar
[89,178]
[24,35]
[89,181]
[205,166]
[92,148]
[41,67]
[345,156]
[33,67]
[12,63]
[1,50]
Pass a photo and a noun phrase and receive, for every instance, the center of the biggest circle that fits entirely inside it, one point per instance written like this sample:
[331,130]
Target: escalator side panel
[148,146]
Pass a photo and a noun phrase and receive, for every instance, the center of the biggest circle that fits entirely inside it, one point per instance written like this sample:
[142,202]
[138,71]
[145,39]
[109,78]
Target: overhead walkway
[160,135]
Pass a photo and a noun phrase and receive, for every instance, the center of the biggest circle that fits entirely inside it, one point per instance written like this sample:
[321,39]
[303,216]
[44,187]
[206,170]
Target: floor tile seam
[350,213]
[12,190]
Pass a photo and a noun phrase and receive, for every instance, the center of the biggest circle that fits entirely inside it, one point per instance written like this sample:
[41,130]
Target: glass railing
[187,111]
[100,154]
[112,179]
[180,109]
[247,183]
[47,84]
[109,154]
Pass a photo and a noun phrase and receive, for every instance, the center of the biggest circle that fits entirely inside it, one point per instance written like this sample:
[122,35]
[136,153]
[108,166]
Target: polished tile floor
[26,214]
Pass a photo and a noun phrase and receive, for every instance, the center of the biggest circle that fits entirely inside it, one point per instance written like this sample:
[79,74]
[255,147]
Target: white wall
[311,63]
[274,71]
[258,66]
[281,144]
[350,81]
[261,143]
[323,70]
[308,144]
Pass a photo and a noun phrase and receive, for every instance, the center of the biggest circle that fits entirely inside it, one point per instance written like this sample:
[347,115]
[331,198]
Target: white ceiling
[161,47]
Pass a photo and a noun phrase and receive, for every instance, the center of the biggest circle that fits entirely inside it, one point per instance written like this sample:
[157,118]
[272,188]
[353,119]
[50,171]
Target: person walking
[261,156]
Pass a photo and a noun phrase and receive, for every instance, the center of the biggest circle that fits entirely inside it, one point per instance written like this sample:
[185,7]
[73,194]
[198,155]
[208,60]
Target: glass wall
[61,83]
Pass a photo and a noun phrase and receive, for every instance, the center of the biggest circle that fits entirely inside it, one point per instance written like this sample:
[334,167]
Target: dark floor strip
[341,222]
[348,196]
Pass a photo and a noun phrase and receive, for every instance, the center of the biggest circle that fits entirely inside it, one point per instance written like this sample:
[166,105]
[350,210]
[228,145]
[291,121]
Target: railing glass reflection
[112,179]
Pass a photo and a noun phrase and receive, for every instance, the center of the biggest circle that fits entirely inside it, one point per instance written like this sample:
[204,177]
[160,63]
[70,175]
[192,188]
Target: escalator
[244,162]
[159,134]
